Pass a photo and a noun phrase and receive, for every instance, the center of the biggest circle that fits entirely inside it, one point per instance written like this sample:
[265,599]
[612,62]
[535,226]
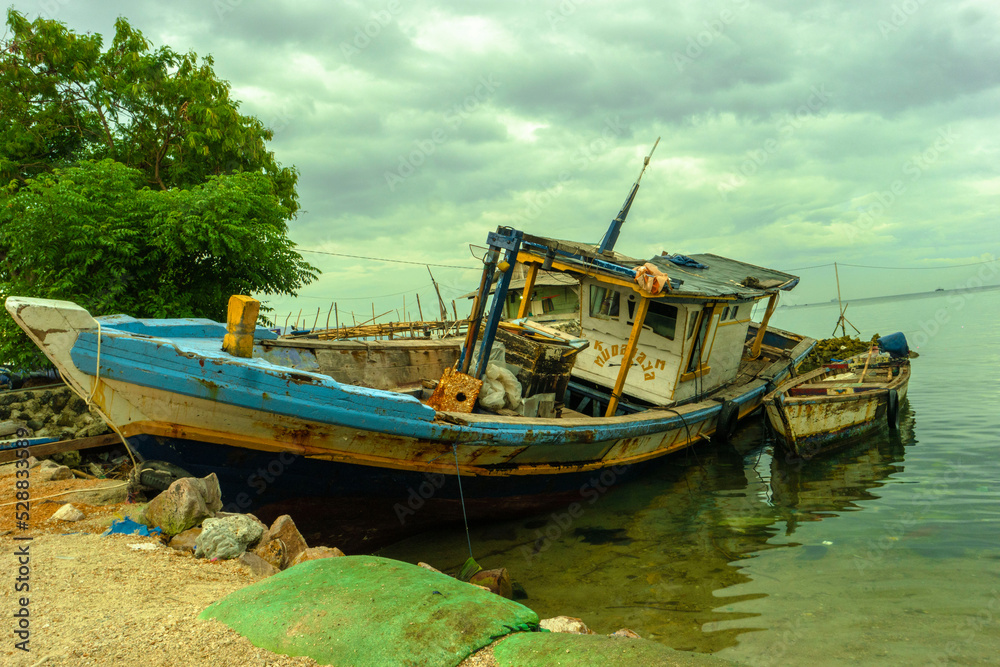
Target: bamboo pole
[420,311]
[871,349]
[444,309]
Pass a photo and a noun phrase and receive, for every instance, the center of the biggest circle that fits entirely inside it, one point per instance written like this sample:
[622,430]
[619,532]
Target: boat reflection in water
[658,554]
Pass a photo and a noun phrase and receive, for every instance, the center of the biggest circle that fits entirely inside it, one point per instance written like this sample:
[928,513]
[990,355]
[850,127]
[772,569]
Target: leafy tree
[131,183]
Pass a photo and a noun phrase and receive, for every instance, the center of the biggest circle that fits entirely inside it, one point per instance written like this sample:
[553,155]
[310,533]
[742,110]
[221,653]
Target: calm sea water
[885,553]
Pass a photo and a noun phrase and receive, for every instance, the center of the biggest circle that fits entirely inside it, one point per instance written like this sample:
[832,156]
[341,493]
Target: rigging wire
[801,268]
[893,268]
[327,299]
[385,259]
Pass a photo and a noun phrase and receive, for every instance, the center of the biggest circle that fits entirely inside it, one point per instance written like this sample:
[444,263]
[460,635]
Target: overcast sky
[794,134]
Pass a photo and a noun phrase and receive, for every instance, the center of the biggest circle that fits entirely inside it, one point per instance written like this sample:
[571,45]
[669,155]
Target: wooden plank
[49,448]
[633,342]
[529,284]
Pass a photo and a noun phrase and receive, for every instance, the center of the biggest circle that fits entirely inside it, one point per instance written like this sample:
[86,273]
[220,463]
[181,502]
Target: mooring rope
[465,518]
[89,400]
[97,370]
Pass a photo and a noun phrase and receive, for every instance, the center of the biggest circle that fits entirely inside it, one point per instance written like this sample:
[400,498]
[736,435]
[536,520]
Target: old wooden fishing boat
[842,401]
[668,356]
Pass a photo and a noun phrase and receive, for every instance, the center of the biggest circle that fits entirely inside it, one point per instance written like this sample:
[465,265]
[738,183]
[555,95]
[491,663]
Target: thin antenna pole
[840,308]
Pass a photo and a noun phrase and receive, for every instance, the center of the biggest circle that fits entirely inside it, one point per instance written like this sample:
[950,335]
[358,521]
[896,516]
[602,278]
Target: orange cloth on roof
[651,279]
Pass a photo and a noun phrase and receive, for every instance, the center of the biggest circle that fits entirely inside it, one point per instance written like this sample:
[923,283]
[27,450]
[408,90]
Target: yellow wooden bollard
[241,322]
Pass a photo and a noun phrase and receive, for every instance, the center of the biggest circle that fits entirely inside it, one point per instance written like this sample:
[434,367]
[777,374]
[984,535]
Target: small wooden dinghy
[843,401]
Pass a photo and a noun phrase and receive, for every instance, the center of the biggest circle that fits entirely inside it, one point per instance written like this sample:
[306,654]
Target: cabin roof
[720,276]
[724,277]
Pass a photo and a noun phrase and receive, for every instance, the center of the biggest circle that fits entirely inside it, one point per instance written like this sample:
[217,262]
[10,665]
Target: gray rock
[71,459]
[35,424]
[273,552]
[625,633]
[567,624]
[257,565]
[52,472]
[284,529]
[67,513]
[185,541]
[107,492]
[316,553]
[210,491]
[11,427]
[94,428]
[180,507]
[66,418]
[227,537]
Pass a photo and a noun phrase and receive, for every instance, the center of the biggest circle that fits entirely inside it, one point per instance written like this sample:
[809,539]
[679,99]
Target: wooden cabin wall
[376,364]
[724,349]
[658,374]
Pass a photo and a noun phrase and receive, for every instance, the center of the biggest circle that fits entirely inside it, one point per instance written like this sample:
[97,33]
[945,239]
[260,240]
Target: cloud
[418,128]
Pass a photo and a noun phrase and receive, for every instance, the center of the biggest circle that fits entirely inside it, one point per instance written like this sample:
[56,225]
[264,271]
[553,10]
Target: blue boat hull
[361,508]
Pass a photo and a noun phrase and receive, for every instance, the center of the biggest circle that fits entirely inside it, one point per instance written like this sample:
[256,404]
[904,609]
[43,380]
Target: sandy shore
[121,600]
[117,600]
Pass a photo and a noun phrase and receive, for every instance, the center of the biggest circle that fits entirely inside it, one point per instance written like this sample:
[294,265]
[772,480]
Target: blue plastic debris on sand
[130,527]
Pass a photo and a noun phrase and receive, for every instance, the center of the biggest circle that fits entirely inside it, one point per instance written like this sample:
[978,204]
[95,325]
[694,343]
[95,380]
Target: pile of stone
[47,413]
[190,513]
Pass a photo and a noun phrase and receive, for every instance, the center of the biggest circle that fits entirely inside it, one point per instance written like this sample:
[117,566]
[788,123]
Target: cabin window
[603,303]
[662,318]
[725,314]
[697,350]
[692,323]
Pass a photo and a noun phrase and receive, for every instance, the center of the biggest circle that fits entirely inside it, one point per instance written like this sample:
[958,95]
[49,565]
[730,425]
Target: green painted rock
[548,649]
[365,610]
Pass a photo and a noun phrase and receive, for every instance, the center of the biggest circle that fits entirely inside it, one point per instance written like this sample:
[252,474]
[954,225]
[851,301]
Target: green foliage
[130,183]
[152,109]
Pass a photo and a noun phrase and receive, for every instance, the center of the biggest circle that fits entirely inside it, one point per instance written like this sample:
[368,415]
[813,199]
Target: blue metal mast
[611,236]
